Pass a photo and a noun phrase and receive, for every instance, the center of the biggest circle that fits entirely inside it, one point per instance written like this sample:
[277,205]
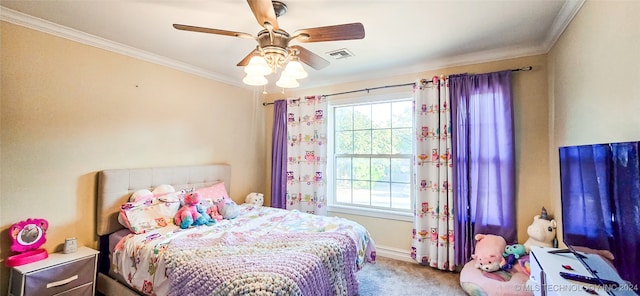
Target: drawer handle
[62,282]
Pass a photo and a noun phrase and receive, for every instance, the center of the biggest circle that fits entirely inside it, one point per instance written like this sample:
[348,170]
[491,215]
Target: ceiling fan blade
[246,59]
[212,31]
[313,60]
[331,33]
[264,12]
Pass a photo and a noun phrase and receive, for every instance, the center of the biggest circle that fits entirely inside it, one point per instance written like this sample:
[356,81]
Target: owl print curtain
[307,154]
[433,234]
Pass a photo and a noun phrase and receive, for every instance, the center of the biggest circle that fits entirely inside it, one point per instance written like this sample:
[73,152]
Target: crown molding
[25,20]
[563,19]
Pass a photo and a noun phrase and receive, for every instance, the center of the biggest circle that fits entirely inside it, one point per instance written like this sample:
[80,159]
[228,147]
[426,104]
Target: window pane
[400,170]
[401,196]
[361,169]
[344,142]
[381,115]
[361,192]
[362,117]
[380,169]
[368,140]
[402,114]
[343,168]
[344,118]
[402,141]
[343,191]
[362,142]
[381,194]
[381,141]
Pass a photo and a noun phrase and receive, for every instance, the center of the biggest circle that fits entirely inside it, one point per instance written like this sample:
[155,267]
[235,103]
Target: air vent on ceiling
[340,53]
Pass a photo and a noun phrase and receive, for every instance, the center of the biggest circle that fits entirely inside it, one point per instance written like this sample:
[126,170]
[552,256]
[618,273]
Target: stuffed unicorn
[542,232]
[188,214]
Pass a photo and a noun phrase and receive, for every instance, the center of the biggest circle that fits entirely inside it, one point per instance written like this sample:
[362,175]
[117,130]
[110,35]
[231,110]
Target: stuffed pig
[488,253]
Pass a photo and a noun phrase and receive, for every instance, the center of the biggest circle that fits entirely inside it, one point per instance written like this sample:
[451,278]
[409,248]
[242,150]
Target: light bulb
[294,69]
[252,79]
[258,66]
[287,82]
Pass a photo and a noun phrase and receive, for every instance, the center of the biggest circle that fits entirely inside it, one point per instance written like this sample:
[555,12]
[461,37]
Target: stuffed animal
[510,261]
[255,198]
[188,214]
[206,208]
[542,232]
[517,250]
[488,253]
[214,213]
[230,210]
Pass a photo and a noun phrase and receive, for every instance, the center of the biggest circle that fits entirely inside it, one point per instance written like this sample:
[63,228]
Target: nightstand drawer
[60,278]
[85,290]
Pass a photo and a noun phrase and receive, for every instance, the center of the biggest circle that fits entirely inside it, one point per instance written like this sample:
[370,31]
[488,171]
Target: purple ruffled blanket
[276,264]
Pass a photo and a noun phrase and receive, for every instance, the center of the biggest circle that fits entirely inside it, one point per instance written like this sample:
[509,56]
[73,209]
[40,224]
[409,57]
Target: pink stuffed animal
[488,254]
[188,214]
[214,213]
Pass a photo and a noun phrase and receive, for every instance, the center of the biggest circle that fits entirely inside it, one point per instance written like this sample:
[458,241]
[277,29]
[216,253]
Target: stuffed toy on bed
[230,209]
[255,198]
[517,250]
[542,232]
[488,252]
[188,214]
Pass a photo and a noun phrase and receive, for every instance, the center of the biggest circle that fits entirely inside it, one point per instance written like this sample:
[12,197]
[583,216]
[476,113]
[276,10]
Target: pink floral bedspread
[141,260]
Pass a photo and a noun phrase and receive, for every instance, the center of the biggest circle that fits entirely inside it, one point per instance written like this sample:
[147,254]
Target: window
[371,154]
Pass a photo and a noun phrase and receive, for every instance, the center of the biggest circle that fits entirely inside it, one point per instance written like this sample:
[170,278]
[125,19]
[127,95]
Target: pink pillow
[216,192]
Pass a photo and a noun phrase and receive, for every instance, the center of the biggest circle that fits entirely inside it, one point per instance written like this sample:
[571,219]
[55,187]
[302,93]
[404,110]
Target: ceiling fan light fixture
[287,82]
[255,80]
[294,69]
[258,67]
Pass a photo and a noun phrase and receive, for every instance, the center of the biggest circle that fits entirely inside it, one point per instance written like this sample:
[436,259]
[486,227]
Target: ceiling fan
[273,42]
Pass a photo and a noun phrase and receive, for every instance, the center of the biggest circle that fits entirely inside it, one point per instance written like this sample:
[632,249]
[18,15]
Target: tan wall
[70,110]
[594,81]
[531,120]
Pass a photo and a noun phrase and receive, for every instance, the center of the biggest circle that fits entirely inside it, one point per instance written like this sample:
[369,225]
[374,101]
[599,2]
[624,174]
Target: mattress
[141,259]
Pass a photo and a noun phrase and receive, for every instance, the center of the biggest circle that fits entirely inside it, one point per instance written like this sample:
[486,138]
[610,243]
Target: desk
[546,280]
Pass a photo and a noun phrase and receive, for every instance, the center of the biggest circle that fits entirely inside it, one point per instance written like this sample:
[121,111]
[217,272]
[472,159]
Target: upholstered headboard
[116,186]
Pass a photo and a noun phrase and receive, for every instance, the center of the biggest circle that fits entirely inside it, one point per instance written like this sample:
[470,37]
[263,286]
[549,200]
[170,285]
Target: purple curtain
[484,167]
[601,201]
[279,155]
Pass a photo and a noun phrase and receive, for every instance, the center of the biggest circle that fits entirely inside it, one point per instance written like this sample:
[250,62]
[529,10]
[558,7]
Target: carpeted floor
[391,277]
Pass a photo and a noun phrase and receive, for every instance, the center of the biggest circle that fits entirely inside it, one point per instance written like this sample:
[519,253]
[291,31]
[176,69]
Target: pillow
[167,193]
[163,189]
[148,215]
[216,192]
[141,195]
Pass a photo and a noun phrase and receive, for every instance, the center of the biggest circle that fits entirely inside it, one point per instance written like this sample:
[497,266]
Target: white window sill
[374,213]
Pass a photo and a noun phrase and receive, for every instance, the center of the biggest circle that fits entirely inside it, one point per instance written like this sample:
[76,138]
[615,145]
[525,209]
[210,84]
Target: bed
[262,251]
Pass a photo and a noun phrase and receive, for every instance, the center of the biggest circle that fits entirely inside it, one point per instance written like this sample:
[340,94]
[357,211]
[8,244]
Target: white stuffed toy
[542,232]
[255,198]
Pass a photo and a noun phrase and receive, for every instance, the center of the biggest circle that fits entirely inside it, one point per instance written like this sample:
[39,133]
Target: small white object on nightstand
[60,273]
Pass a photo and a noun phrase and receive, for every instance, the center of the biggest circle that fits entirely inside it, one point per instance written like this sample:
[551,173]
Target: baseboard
[394,253]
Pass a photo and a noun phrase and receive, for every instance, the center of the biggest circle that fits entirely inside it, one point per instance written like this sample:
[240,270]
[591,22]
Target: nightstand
[59,274]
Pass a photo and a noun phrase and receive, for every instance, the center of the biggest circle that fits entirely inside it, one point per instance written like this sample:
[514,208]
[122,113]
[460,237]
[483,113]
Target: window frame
[332,206]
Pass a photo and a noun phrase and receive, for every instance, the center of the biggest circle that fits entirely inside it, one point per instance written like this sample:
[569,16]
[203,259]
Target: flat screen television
[600,193]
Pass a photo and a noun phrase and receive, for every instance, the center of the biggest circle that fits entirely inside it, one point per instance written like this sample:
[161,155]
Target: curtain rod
[527,68]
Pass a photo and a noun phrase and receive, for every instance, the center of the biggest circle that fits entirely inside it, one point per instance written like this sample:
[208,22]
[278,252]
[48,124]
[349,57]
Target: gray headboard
[116,186]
